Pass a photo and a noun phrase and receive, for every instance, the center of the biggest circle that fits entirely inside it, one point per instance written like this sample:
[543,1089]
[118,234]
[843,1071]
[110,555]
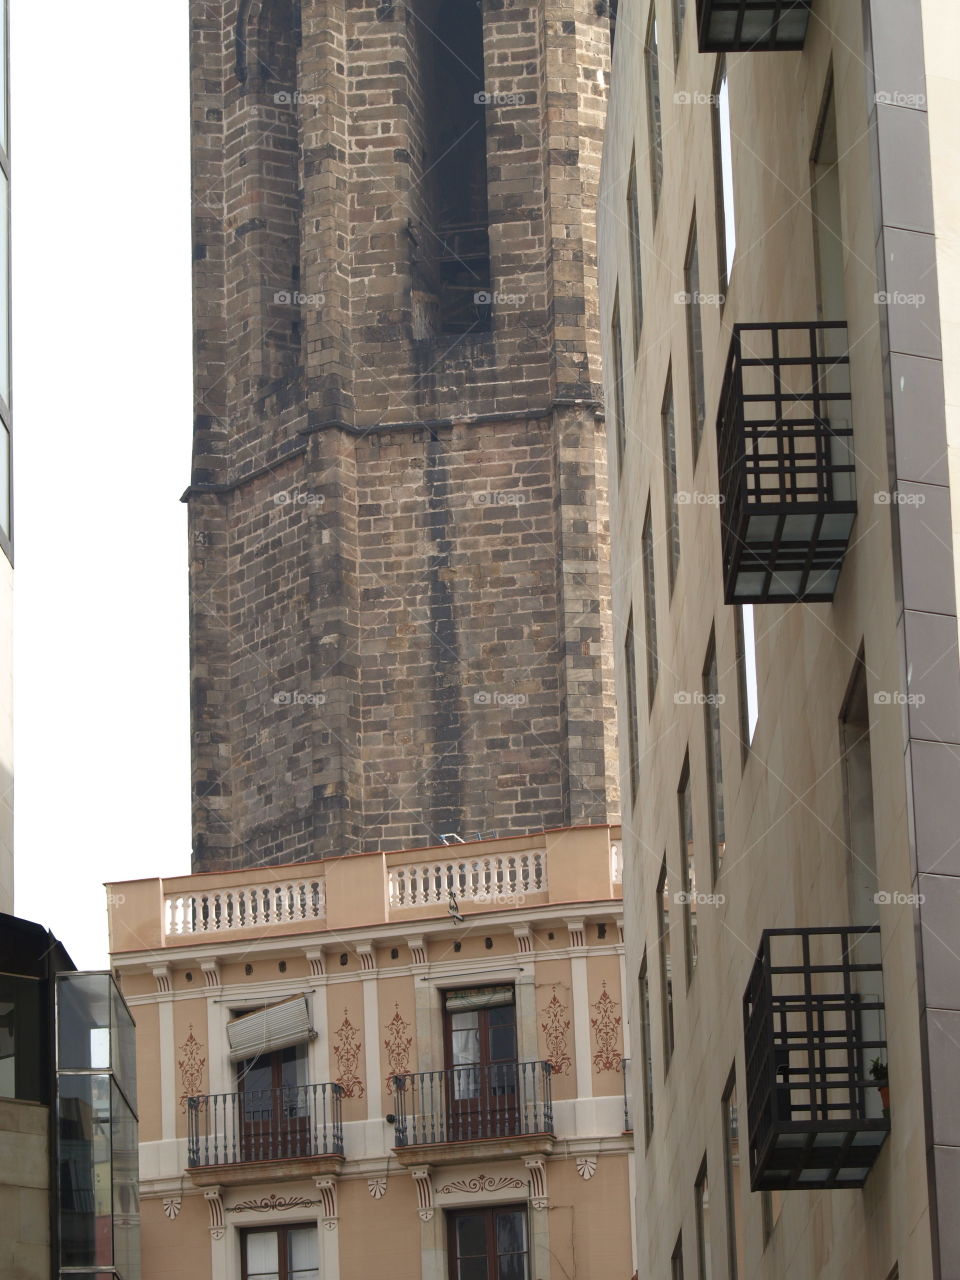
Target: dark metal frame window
[649,606]
[646,1050]
[701,1203]
[691,286]
[619,421]
[651,59]
[731,1165]
[289,1236]
[714,757]
[679,8]
[688,870]
[633,714]
[636,266]
[493,1241]
[668,431]
[666,975]
[723,175]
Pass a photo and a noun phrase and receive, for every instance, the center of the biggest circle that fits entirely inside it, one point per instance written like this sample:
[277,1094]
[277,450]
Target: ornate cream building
[404,1064]
[779,260]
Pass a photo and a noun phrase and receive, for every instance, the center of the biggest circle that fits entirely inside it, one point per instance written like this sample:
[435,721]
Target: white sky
[102,422]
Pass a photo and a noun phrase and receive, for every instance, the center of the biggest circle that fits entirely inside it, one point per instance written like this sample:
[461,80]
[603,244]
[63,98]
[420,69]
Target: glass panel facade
[97,1132]
[21,1072]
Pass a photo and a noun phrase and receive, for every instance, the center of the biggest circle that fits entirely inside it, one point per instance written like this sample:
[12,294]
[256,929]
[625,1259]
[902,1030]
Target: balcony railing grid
[289,1123]
[471,1103]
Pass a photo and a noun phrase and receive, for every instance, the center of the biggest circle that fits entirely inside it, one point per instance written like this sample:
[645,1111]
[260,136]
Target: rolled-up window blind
[478,998]
[277,1027]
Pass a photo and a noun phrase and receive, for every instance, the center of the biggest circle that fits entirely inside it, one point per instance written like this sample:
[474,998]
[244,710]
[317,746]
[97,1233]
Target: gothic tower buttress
[400,581]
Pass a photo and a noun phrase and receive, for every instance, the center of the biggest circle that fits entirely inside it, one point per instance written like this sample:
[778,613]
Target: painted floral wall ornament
[397,1045]
[347,1047]
[606,1031]
[556,1031]
[191,1065]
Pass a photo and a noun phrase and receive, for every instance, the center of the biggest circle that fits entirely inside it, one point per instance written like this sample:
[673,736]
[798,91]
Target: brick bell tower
[400,581]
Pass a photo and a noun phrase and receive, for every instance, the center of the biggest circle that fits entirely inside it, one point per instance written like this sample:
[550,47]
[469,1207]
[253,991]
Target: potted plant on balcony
[878,1069]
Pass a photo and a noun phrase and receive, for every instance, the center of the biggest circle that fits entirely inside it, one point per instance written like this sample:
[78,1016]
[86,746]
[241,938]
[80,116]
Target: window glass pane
[633,730]
[711,715]
[688,869]
[668,429]
[636,275]
[619,422]
[473,1269]
[126,1187]
[302,1259]
[691,284]
[511,1232]
[512,1266]
[4,54]
[263,1256]
[21,1073]
[654,128]
[4,479]
[84,1021]
[471,1235]
[4,287]
[650,607]
[124,1046]
[84,1158]
[723,174]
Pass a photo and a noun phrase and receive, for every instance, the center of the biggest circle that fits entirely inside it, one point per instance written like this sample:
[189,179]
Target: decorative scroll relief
[586,1167]
[347,1048]
[483,1182]
[190,1065]
[606,1031]
[272,1204]
[556,1031]
[397,1045]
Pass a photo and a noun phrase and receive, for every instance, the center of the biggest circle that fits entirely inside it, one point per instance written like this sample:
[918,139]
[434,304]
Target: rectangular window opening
[489,1243]
[279,1253]
[723,175]
[651,58]
[688,870]
[666,969]
[650,607]
[747,674]
[692,297]
[646,1048]
[633,715]
[701,1202]
[636,269]
[676,1259]
[734,1178]
[619,420]
[669,442]
[711,724]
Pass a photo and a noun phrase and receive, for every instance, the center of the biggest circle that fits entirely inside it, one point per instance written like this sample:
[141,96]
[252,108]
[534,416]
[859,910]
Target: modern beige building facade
[778,247]
[404,1064]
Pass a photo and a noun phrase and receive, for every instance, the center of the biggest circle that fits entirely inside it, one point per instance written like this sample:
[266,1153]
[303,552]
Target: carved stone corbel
[538,1182]
[214,1199]
[422,1178]
[327,1188]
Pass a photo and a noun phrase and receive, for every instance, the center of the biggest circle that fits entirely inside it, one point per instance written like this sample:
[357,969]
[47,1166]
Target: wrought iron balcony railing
[785,462]
[470,1103]
[813,1028]
[627,1121]
[290,1123]
[752,26]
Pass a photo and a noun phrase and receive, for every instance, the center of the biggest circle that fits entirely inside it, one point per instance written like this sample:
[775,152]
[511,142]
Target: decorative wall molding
[211,973]
[315,959]
[191,1065]
[586,1167]
[482,1182]
[368,959]
[538,1182]
[556,1031]
[397,1045]
[418,952]
[524,938]
[328,1200]
[347,1050]
[272,1204]
[577,935]
[214,1199]
[421,1177]
[606,1031]
[172,1206]
[162,976]
[377,1187]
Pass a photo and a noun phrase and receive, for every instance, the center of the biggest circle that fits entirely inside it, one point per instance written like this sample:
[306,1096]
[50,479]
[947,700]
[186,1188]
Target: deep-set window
[666,965]
[669,441]
[636,272]
[646,1049]
[651,58]
[649,606]
[723,175]
[619,424]
[734,1181]
[688,870]
[711,727]
[747,674]
[279,1253]
[633,714]
[701,1206]
[679,12]
[692,296]
[489,1244]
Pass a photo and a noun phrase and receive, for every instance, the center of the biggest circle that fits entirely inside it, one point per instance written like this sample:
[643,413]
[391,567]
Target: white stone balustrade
[492,879]
[247,906]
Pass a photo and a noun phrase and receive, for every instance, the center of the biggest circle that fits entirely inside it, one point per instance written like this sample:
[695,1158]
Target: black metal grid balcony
[785,462]
[813,1023]
[472,1103]
[291,1123]
[752,26]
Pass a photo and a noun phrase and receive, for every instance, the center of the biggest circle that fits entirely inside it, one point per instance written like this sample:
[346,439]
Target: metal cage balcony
[294,1122]
[785,462]
[813,1023]
[473,1103]
[752,26]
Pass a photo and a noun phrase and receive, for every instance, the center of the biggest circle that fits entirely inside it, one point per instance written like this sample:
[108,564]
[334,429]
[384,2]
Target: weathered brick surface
[400,563]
